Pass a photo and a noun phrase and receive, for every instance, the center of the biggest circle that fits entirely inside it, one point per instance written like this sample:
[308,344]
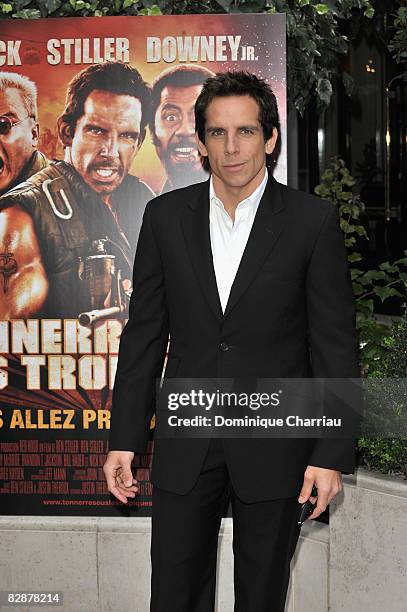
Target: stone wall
[358,563]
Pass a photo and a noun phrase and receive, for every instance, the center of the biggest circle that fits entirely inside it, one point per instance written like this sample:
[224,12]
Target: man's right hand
[119,477]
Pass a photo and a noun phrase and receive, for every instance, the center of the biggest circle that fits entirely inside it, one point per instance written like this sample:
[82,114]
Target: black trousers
[184,545]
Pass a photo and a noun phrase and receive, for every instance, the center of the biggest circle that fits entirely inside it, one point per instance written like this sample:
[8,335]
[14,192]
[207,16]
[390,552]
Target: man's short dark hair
[186,75]
[238,83]
[115,77]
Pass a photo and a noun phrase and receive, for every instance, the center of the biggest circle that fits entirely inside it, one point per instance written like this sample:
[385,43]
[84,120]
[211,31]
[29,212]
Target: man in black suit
[250,279]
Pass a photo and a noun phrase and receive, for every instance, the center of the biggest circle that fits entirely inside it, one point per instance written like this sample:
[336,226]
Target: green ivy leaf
[354,257]
[348,180]
[348,228]
[322,191]
[357,289]
[154,10]
[370,275]
[27,14]
[385,292]
[128,3]
[18,5]
[359,229]
[388,267]
[321,9]
[364,281]
[354,273]
[369,12]
[52,5]
[6,8]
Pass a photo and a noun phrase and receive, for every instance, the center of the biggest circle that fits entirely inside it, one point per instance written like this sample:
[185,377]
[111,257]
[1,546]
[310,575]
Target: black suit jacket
[291,313]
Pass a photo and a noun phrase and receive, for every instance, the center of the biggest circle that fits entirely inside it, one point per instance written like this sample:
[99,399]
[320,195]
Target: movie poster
[96,118]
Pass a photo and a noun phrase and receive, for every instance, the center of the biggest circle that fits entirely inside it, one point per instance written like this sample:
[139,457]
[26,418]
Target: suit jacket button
[224,347]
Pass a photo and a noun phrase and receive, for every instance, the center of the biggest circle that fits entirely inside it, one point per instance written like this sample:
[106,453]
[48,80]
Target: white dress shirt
[228,238]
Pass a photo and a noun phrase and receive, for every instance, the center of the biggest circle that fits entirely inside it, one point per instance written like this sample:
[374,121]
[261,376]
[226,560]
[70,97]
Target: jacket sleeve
[333,339]
[143,343]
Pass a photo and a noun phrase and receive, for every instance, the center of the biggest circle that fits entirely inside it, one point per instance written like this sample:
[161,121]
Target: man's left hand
[328,482]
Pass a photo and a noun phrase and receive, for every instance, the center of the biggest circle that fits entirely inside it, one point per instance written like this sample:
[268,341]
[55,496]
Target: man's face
[234,141]
[16,147]
[106,139]
[174,128]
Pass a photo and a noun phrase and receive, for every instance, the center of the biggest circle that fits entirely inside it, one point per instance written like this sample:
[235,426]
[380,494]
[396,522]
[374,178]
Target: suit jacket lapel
[195,226]
[266,229]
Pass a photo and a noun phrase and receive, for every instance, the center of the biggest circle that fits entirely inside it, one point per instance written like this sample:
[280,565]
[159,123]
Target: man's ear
[35,133]
[271,142]
[200,145]
[64,132]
